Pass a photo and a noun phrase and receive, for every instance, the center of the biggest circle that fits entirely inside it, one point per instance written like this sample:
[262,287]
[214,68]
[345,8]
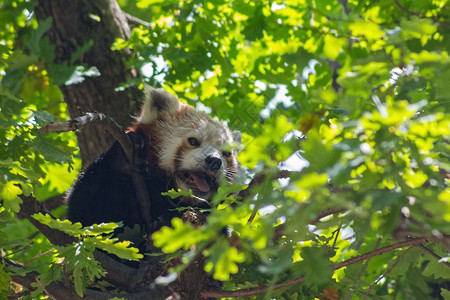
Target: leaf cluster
[352,93]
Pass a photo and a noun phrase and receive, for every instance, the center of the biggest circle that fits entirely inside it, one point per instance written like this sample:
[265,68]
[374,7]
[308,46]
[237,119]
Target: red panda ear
[156,102]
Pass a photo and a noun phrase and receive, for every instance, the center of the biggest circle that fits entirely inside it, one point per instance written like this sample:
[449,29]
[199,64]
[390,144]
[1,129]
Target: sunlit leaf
[358,89]
[182,235]
[120,249]
[9,193]
[223,260]
[369,30]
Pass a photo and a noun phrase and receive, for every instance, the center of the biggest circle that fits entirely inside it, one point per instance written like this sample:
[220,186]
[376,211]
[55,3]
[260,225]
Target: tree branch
[421,246]
[117,273]
[108,124]
[389,270]
[260,290]
[54,202]
[259,178]
[405,10]
[31,206]
[132,20]
[366,263]
[94,118]
[411,242]
[412,13]
[58,290]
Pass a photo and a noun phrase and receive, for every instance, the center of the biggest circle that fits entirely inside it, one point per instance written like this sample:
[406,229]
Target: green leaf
[436,269]
[416,27]
[181,236]
[68,75]
[254,28]
[179,193]
[50,150]
[148,3]
[36,35]
[80,261]
[319,153]
[80,51]
[80,284]
[66,226]
[268,144]
[134,234]
[409,260]
[333,46]
[42,118]
[4,92]
[369,30]
[312,180]
[9,193]
[316,265]
[445,294]
[54,273]
[359,90]
[4,282]
[223,260]
[98,229]
[120,249]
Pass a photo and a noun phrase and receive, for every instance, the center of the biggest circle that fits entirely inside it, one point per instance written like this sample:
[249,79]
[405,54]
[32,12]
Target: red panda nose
[213,163]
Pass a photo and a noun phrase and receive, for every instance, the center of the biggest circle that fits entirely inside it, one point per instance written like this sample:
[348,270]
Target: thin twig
[259,178]
[385,274]
[258,205]
[44,289]
[279,230]
[412,13]
[405,10]
[136,21]
[366,263]
[327,212]
[19,250]
[337,232]
[260,290]
[38,256]
[411,242]
[429,251]
[94,118]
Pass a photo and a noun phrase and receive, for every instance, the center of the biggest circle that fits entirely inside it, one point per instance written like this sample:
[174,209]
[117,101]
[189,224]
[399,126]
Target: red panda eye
[193,141]
[226,154]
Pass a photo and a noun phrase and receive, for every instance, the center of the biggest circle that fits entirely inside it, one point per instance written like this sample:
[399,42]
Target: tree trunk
[74,24]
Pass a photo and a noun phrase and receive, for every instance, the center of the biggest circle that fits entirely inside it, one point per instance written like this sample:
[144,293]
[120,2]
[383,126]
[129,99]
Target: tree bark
[75,23]
[102,21]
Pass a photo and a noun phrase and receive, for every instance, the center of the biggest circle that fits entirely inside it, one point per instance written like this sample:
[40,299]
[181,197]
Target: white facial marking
[192,165]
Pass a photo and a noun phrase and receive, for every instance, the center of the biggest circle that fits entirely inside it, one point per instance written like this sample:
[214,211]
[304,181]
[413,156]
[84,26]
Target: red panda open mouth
[198,181]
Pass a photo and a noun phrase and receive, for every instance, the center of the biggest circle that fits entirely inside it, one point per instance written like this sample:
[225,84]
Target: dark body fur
[104,192]
[175,146]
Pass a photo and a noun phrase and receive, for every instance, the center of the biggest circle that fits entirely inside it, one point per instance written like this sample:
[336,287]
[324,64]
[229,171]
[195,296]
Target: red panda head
[189,146]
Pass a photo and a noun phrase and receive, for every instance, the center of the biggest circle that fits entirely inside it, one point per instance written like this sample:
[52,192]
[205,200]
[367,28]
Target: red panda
[182,149]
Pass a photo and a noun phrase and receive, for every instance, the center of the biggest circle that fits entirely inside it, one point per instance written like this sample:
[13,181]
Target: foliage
[356,91]
[79,256]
